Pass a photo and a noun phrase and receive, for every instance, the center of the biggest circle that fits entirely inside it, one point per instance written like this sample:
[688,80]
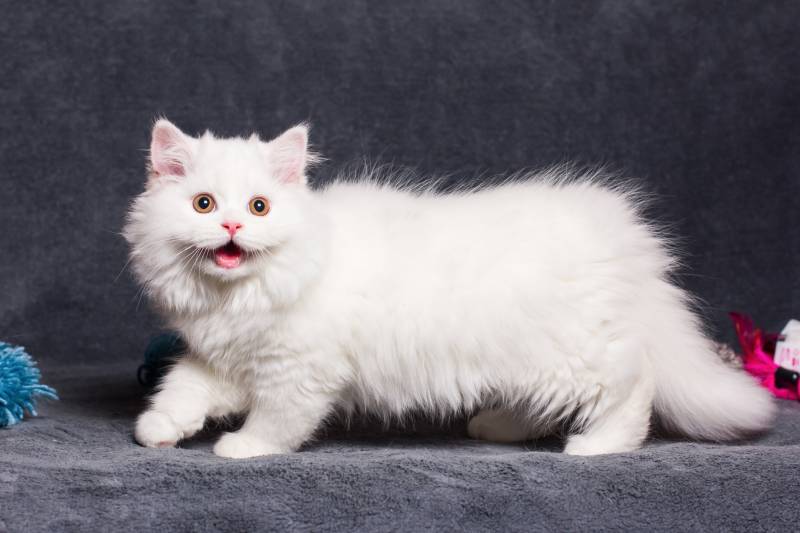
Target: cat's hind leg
[616,424]
[190,392]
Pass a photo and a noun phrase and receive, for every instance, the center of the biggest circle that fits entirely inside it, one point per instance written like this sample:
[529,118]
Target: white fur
[543,301]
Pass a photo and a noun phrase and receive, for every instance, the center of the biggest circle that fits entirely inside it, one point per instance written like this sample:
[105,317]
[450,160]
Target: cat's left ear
[290,156]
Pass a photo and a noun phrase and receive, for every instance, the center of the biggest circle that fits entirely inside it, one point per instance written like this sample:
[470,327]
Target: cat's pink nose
[232,227]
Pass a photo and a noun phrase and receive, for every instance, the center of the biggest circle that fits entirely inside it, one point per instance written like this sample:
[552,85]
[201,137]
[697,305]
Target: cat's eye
[203,203]
[259,206]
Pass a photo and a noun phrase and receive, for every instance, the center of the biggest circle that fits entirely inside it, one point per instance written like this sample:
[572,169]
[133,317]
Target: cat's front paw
[241,446]
[157,430]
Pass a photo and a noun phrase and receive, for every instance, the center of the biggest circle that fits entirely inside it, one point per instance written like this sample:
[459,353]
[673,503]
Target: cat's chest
[230,336]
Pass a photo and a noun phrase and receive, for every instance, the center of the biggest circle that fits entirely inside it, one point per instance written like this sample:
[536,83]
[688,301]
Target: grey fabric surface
[698,100]
[76,468]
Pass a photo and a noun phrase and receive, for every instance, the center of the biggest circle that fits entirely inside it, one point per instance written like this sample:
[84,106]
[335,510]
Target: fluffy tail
[697,394]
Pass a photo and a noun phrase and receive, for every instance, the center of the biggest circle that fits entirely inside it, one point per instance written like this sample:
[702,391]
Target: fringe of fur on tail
[697,393]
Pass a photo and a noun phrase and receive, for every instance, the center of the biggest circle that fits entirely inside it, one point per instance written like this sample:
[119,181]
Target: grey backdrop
[697,99]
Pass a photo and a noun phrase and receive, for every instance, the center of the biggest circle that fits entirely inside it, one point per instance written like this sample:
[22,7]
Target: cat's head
[218,210]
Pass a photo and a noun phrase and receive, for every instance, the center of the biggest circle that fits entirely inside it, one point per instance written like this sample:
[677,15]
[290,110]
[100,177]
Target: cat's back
[542,218]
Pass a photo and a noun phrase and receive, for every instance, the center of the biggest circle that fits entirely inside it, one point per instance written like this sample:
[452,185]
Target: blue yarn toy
[19,385]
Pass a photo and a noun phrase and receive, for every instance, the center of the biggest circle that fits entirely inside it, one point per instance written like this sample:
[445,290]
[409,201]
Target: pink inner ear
[169,150]
[170,168]
[291,170]
[289,154]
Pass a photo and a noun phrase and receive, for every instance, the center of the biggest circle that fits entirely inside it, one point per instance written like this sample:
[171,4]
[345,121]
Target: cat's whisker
[128,262]
[130,258]
[197,257]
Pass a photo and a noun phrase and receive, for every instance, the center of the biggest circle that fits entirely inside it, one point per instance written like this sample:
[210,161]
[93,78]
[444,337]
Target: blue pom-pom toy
[19,385]
[161,352]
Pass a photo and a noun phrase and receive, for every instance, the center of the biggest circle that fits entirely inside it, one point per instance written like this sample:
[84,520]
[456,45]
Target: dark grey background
[698,99]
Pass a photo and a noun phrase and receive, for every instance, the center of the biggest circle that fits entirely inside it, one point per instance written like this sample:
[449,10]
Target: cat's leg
[278,423]
[617,424]
[503,425]
[190,392]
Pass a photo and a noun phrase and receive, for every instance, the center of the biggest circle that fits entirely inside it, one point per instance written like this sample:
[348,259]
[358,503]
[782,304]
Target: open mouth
[228,256]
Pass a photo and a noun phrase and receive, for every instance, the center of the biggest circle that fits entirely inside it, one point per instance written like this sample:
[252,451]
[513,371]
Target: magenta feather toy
[757,358]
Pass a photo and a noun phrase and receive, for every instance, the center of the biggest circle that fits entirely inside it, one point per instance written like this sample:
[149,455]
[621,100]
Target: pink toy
[757,359]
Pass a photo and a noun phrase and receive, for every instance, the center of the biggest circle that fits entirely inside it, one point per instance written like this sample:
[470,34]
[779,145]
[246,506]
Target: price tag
[787,351]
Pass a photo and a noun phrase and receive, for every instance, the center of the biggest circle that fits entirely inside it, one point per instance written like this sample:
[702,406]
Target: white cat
[535,304]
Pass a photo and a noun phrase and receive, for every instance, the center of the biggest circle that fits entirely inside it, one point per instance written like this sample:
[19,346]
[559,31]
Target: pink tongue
[229,256]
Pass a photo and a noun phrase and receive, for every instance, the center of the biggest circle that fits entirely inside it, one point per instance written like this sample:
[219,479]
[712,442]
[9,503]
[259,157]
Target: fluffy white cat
[535,305]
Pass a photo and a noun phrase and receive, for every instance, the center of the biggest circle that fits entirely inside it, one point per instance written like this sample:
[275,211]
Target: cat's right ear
[170,150]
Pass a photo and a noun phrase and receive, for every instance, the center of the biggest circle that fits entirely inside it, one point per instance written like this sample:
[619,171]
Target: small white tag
[787,351]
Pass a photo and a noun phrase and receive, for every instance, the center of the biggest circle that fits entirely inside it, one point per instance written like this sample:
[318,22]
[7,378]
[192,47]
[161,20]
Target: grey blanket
[77,468]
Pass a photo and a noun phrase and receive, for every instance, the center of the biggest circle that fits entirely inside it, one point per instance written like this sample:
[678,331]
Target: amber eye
[259,206]
[203,203]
